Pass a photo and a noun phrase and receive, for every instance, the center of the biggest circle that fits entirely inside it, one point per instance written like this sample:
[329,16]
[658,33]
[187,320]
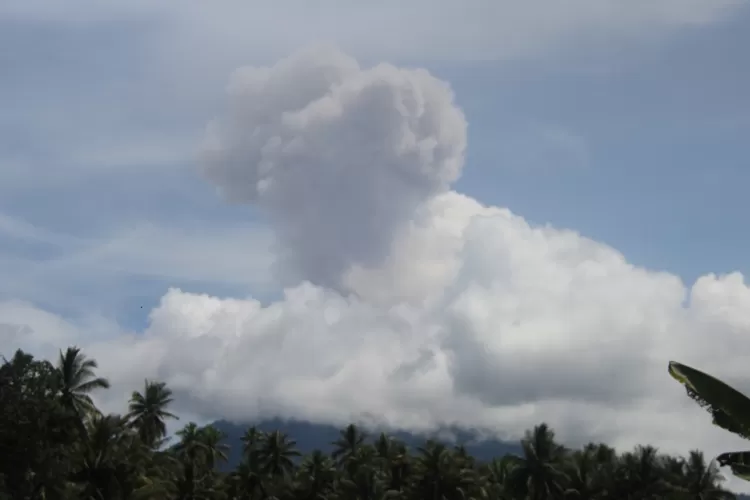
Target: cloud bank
[415,306]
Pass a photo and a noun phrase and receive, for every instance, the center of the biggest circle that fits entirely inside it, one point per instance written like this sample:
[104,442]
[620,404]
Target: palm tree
[77,380]
[364,456]
[36,432]
[346,446]
[394,458]
[275,459]
[581,470]
[251,440]
[366,484]
[99,456]
[154,489]
[42,456]
[191,451]
[316,475]
[190,445]
[442,474]
[494,483]
[245,481]
[215,450]
[606,464]
[277,455]
[702,481]
[642,474]
[538,473]
[147,411]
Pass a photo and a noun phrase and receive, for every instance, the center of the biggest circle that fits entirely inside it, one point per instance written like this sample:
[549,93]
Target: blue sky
[665,135]
[639,147]
[625,123]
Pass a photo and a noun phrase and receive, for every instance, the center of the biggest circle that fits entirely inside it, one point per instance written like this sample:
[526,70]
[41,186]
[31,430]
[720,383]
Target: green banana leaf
[738,462]
[729,408]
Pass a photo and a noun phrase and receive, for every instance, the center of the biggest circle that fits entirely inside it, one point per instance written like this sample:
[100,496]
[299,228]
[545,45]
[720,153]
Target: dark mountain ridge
[309,437]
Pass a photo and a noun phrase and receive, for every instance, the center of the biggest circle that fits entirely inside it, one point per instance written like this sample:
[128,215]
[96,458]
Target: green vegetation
[729,408]
[55,444]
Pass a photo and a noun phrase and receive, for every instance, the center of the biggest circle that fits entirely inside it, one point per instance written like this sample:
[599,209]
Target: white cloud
[469,315]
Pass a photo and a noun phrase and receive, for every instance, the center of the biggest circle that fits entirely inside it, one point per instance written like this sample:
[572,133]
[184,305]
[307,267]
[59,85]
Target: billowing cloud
[418,306]
[339,157]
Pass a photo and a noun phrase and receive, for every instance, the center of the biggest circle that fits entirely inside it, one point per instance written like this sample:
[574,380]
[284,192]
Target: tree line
[56,444]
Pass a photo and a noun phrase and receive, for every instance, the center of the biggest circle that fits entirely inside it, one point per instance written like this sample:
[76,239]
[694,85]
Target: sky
[418,214]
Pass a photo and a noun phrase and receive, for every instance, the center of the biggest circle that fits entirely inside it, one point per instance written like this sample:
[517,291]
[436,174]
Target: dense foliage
[55,444]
